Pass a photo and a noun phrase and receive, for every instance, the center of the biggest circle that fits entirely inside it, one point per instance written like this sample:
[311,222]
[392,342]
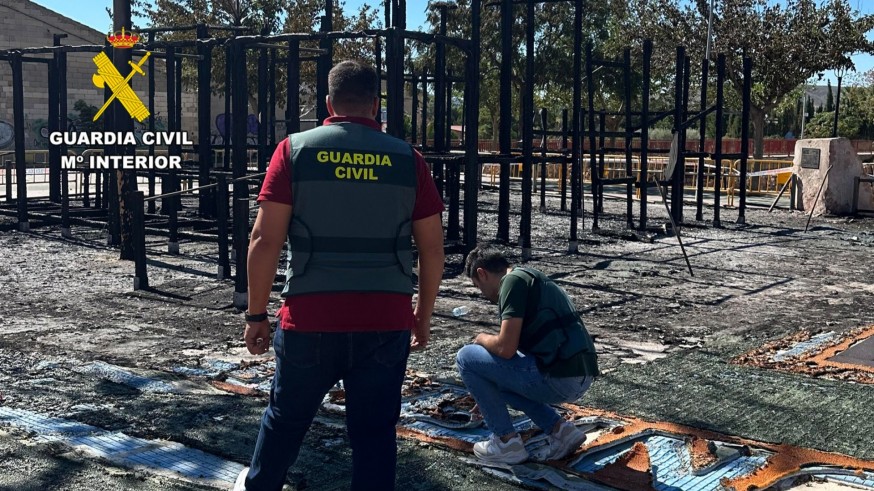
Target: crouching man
[543,355]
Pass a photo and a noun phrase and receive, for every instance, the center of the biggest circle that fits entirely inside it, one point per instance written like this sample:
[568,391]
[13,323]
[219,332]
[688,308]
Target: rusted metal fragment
[631,472]
[819,361]
[444,441]
[236,389]
[416,383]
[707,455]
[789,460]
[786,461]
[824,358]
[703,452]
[337,396]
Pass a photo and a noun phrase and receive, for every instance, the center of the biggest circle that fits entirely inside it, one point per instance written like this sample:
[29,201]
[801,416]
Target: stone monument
[813,158]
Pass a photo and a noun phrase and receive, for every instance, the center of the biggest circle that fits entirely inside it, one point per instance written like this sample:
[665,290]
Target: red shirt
[347,312]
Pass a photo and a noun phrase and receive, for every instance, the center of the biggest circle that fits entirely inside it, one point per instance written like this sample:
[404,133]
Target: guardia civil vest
[353,192]
[553,332]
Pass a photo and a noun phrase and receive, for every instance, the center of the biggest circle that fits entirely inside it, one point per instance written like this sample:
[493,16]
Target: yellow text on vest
[341,158]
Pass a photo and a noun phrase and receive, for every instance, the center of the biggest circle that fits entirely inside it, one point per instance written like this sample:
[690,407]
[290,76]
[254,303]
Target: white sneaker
[240,484]
[564,441]
[494,450]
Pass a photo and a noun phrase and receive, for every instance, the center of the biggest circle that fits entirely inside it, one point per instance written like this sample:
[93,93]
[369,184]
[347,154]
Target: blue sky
[93,13]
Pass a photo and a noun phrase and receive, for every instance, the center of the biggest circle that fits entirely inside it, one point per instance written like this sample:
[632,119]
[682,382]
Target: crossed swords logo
[108,76]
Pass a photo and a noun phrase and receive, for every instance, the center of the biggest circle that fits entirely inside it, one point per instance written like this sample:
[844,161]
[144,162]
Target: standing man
[349,199]
[543,355]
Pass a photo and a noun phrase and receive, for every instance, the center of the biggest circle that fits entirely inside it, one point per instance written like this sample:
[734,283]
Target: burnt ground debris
[665,340]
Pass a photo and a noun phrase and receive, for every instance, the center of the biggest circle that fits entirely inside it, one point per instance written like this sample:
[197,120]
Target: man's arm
[506,342]
[428,233]
[265,246]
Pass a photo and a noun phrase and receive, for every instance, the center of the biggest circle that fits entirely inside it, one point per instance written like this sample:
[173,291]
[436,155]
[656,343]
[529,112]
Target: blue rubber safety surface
[468,435]
[124,376]
[866,480]
[125,450]
[799,349]
[185,461]
[108,445]
[672,464]
[669,456]
[44,427]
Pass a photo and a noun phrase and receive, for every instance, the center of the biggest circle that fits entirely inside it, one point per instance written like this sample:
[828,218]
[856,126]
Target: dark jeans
[496,382]
[372,367]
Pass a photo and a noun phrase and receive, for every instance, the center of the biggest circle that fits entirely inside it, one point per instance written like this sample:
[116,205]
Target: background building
[24,24]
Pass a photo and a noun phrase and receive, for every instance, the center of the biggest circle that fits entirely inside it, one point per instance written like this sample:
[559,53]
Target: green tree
[790,111]
[821,125]
[829,99]
[553,56]
[795,121]
[261,17]
[857,101]
[787,42]
[811,110]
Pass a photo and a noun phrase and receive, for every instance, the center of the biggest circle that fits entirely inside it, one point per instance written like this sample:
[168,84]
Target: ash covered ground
[665,340]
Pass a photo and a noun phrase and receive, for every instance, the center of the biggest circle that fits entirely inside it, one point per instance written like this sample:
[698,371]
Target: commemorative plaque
[810,158]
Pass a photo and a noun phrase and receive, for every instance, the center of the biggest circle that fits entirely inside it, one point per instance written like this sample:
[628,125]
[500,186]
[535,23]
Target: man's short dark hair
[352,83]
[490,259]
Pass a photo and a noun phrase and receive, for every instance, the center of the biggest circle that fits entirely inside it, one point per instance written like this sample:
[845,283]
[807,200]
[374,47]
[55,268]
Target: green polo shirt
[552,331]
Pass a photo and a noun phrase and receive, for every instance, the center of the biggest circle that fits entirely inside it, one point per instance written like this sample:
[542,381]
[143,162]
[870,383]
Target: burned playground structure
[572,166]
[216,202]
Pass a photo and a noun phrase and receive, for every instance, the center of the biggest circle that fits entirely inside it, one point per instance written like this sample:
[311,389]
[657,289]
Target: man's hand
[428,233]
[257,337]
[506,342]
[421,333]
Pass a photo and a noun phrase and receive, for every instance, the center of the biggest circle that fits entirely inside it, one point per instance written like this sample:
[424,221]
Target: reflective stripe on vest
[353,192]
